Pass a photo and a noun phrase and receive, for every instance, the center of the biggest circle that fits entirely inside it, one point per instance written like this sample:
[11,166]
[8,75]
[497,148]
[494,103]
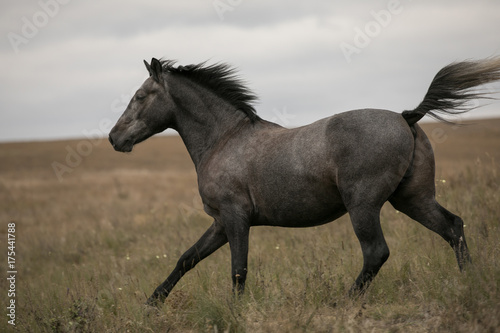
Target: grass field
[98,233]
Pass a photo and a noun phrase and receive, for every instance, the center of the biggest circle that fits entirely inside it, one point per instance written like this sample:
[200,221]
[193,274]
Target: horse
[254,172]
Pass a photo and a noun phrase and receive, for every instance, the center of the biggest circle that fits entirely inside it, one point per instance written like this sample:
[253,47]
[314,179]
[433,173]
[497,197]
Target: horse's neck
[204,120]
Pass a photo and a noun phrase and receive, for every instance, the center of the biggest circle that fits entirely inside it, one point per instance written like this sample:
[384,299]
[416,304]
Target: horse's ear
[156,70]
[148,67]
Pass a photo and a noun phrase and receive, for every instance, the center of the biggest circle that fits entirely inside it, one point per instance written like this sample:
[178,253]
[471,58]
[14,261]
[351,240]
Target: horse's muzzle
[124,146]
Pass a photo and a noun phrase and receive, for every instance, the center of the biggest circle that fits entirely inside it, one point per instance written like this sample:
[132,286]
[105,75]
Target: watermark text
[11,273]
[31,26]
[363,36]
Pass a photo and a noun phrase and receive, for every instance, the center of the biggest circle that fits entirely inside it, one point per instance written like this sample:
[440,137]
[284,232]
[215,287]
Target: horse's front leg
[238,230]
[211,240]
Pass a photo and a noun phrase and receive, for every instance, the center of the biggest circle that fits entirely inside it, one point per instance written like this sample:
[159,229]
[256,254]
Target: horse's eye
[140,95]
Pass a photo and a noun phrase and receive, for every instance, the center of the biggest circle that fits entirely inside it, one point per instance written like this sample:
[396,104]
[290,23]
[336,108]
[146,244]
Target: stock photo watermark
[31,25]
[76,154]
[223,6]
[11,273]
[282,117]
[363,36]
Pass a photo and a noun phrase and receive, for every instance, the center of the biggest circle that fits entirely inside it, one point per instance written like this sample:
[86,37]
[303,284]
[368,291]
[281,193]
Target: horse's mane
[219,78]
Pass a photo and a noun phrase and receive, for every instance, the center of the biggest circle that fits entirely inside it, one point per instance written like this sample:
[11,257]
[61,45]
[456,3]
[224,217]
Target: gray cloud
[70,74]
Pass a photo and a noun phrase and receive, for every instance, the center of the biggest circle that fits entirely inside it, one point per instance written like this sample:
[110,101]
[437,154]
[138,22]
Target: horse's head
[147,113]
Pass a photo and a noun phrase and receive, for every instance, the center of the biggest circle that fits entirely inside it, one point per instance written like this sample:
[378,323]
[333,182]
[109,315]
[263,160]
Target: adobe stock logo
[222,6]
[363,37]
[30,27]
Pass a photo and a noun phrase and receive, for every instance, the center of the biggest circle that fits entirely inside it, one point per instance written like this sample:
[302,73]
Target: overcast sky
[67,66]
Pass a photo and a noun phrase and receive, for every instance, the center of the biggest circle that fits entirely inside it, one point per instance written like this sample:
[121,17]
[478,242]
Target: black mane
[221,79]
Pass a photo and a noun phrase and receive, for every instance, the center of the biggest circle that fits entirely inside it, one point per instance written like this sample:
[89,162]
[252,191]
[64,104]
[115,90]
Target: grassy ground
[92,245]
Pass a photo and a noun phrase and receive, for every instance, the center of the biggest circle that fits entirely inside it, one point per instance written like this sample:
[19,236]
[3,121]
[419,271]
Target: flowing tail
[452,88]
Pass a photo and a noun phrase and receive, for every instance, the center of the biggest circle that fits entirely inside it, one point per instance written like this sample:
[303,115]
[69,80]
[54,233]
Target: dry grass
[92,247]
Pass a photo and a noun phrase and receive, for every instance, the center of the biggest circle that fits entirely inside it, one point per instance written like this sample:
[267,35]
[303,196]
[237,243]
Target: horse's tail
[452,88]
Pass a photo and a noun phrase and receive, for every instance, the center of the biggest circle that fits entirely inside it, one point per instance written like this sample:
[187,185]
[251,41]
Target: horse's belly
[299,208]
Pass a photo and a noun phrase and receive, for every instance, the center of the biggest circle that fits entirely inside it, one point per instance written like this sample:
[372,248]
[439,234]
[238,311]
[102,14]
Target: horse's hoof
[153,302]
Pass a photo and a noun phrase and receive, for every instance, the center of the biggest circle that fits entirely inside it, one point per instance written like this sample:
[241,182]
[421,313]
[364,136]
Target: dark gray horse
[253,172]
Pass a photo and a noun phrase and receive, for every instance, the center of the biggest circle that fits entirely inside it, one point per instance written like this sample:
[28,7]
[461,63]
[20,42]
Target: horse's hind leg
[435,217]
[366,223]
[415,196]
